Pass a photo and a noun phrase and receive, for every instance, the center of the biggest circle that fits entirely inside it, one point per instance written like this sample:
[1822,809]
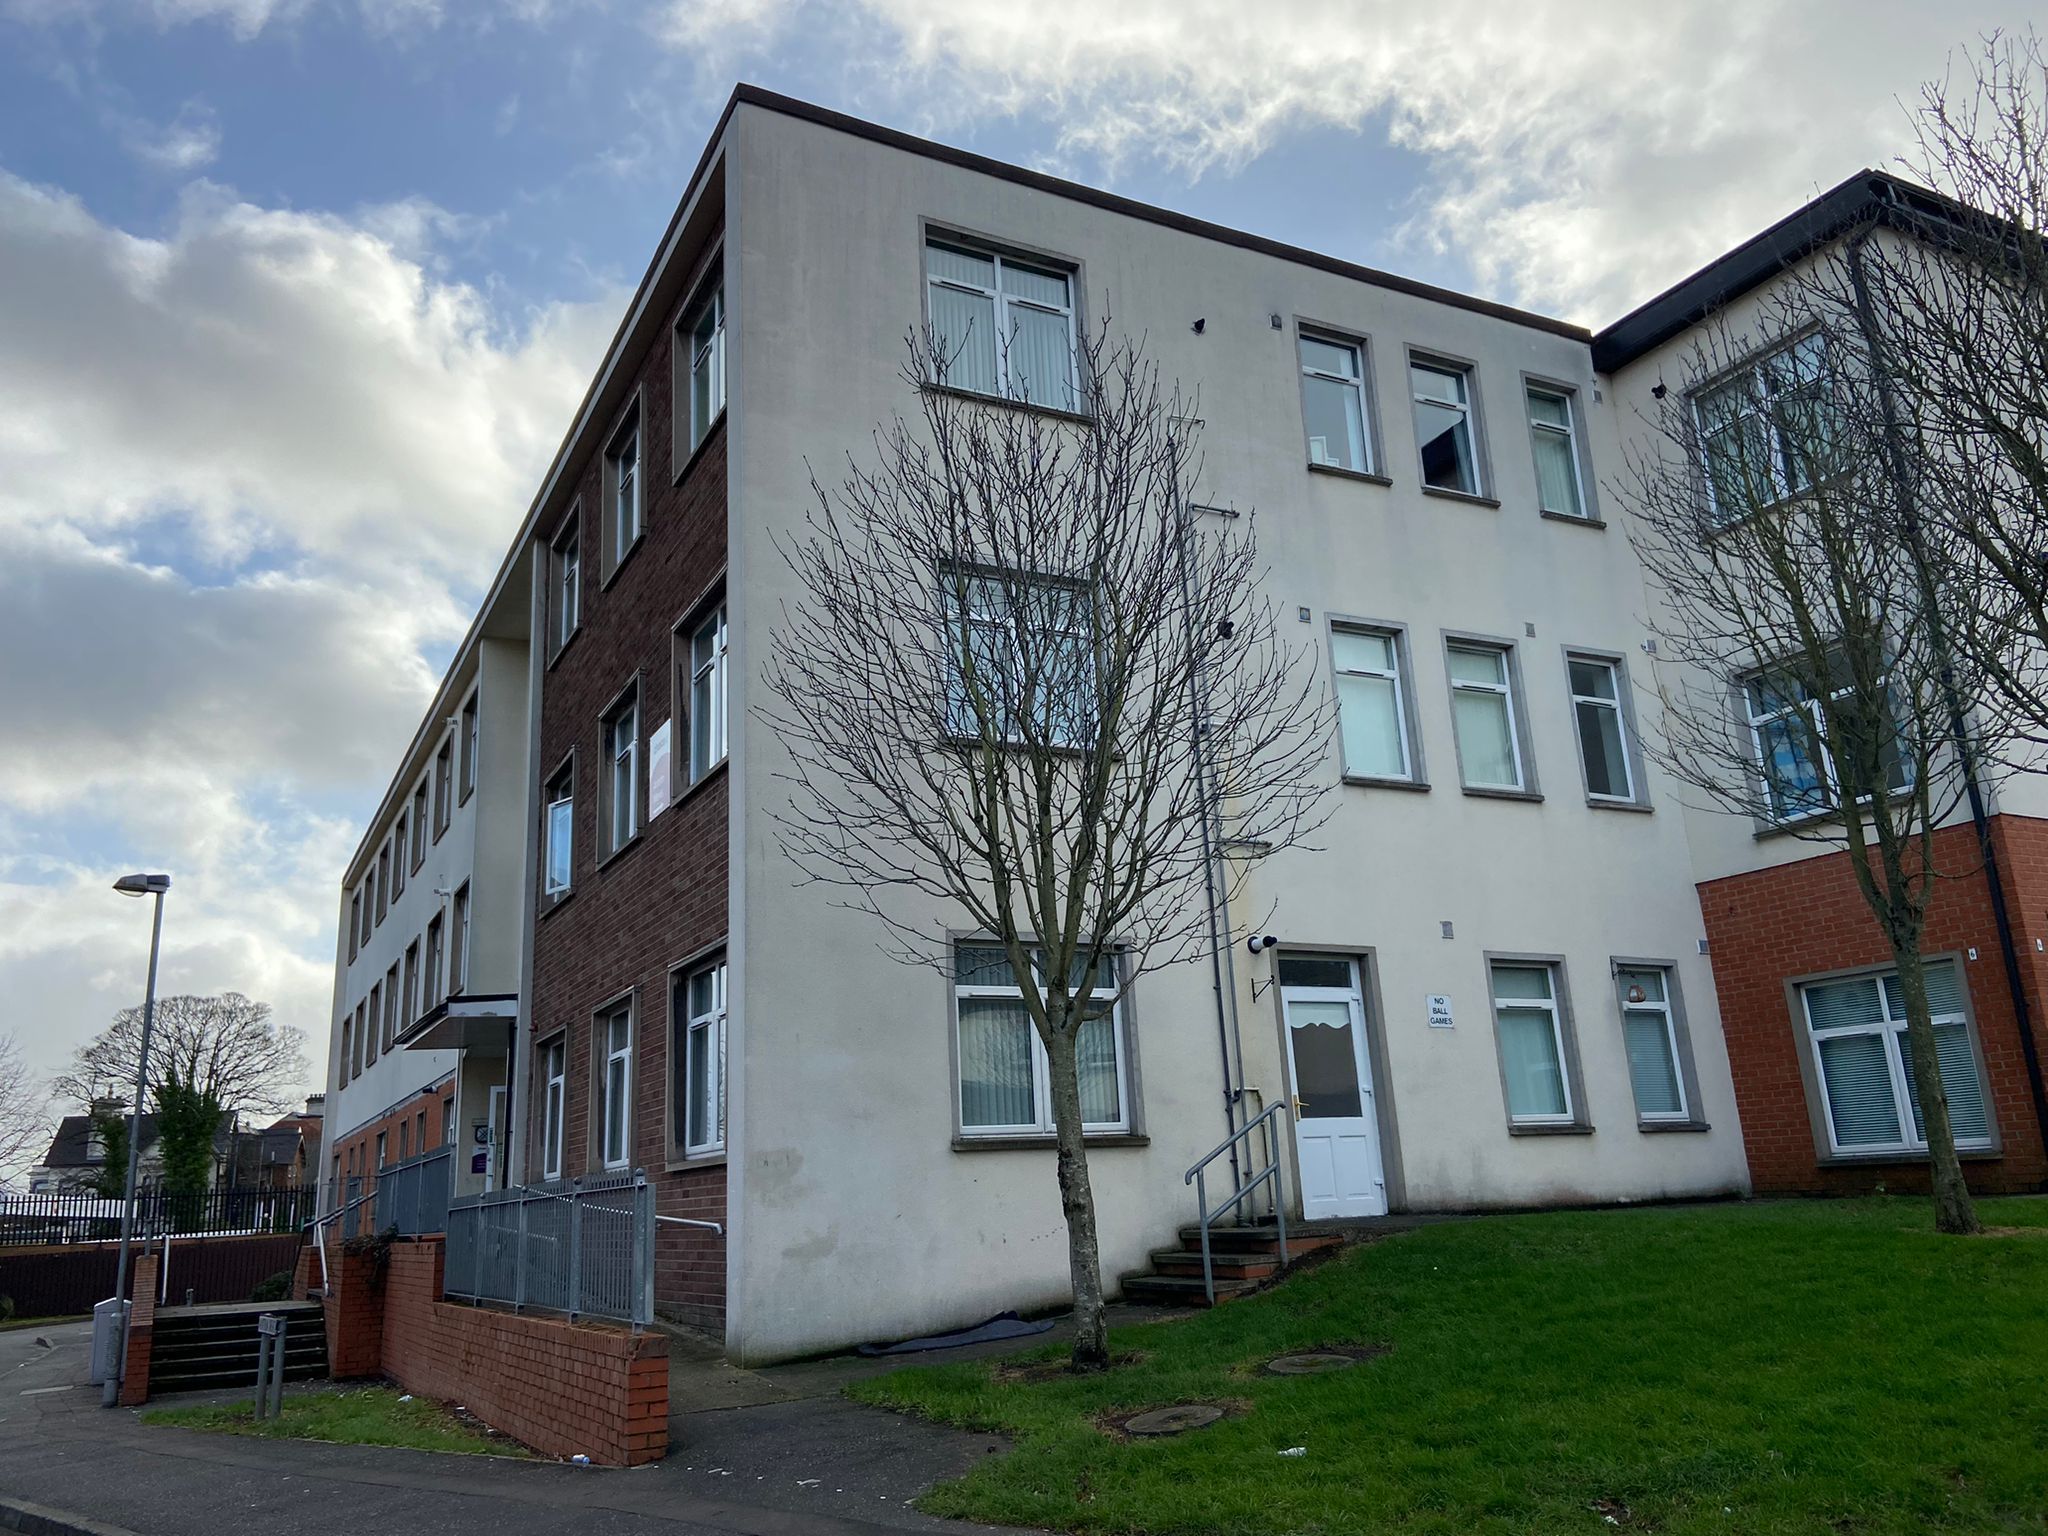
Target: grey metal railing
[1269,1177]
[585,1248]
[358,1205]
[412,1196]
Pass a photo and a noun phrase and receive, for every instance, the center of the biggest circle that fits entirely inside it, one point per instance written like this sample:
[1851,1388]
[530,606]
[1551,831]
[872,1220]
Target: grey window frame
[458,943]
[1681,1042]
[1764,822]
[355,923]
[398,853]
[1749,373]
[1518,714]
[1404,682]
[469,742]
[1582,458]
[1580,1122]
[433,956]
[382,882]
[1428,358]
[373,1008]
[1631,738]
[444,786]
[1375,446]
[421,822]
[390,1023]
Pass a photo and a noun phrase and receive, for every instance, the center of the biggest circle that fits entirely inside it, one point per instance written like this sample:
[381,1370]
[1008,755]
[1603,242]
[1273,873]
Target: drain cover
[1174,1420]
[1309,1365]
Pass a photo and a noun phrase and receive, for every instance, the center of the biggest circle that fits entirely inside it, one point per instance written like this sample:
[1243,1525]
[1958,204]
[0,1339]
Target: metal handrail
[1272,1172]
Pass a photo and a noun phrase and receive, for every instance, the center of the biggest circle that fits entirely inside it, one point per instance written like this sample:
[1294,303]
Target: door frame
[1365,962]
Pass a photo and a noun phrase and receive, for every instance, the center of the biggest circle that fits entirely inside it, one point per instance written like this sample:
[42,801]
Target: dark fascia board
[1867,198]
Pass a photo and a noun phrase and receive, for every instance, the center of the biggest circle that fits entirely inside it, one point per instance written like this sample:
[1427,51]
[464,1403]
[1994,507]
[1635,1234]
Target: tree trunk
[1077,1198]
[1953,1210]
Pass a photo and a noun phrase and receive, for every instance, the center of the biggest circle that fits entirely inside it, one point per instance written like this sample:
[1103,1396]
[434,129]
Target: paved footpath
[763,1453]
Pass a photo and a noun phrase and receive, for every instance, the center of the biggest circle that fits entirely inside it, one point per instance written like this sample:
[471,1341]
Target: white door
[1336,1131]
[494,1148]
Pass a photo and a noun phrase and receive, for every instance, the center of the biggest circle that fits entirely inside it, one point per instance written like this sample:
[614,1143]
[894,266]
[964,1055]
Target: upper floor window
[703,333]
[369,902]
[558,832]
[1789,729]
[383,881]
[398,858]
[390,1024]
[355,923]
[1372,703]
[1024,653]
[372,1010]
[625,511]
[411,1007]
[1003,326]
[1004,1073]
[470,741]
[1864,1063]
[1443,425]
[708,680]
[1598,686]
[348,1042]
[565,582]
[1554,439]
[444,786]
[698,1053]
[1333,404]
[437,943]
[615,1085]
[1768,431]
[419,826]
[621,787]
[1484,716]
[458,954]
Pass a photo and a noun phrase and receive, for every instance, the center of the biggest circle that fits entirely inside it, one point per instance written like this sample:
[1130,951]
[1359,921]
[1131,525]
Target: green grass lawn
[1823,1367]
[350,1416]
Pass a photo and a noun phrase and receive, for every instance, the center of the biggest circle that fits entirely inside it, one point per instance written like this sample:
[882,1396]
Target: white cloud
[188,142]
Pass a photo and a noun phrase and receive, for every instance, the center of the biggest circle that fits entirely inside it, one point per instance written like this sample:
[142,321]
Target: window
[1768,432]
[621,787]
[559,830]
[1002,326]
[448,1119]
[1333,408]
[1026,654]
[404,1140]
[436,944]
[698,1007]
[1443,426]
[372,1016]
[623,505]
[565,581]
[701,341]
[390,1025]
[383,882]
[458,957]
[383,1144]
[1788,730]
[361,1038]
[615,1042]
[348,1045]
[1857,1028]
[1372,704]
[369,902]
[419,1135]
[1597,710]
[444,775]
[1554,442]
[419,826]
[398,858]
[1530,1027]
[553,1103]
[1004,1087]
[708,682]
[355,923]
[412,983]
[1483,716]
[469,746]
[1649,1036]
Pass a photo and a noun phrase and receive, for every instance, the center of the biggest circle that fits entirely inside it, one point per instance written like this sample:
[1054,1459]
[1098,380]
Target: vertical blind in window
[1004,1082]
[1532,1058]
[1483,716]
[1003,327]
[1557,461]
[1858,1028]
[1369,707]
[1647,1036]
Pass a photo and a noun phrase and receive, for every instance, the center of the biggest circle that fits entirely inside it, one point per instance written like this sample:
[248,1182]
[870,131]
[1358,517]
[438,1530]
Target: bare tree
[227,1047]
[1022,685]
[1811,681]
[24,1112]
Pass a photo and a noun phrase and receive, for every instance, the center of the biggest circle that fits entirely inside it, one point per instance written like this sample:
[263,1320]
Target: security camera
[1259,941]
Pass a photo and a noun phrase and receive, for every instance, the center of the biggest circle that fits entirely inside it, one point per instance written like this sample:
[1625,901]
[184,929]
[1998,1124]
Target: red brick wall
[564,1388]
[662,898]
[1808,917]
[358,1148]
[353,1313]
[141,1331]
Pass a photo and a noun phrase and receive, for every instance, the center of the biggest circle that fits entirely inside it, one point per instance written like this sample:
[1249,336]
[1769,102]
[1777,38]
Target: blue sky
[297,295]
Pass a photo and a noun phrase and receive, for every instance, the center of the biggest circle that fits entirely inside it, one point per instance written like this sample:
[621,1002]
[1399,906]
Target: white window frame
[554,1104]
[565,580]
[398,857]
[1893,1031]
[1814,711]
[625,483]
[390,1022]
[609,1056]
[1650,1007]
[702,1033]
[621,723]
[472,710]
[444,787]
[1356,384]
[997,617]
[1398,641]
[373,1005]
[1621,724]
[1569,432]
[1505,655]
[1467,404]
[458,951]
[564,802]
[411,983]
[1041,1067]
[355,924]
[1001,303]
[1555,1007]
[710,679]
[712,301]
[420,817]
[1759,395]
[434,956]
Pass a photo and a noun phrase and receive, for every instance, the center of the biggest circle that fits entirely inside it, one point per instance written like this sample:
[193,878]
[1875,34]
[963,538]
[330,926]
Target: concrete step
[1263,1237]
[1223,1262]
[242,1377]
[1180,1290]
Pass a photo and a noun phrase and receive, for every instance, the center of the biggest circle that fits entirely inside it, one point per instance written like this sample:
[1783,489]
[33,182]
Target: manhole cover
[1309,1365]
[1173,1421]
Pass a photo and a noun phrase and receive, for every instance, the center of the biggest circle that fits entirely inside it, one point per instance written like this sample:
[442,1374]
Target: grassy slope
[1765,1368]
[352,1416]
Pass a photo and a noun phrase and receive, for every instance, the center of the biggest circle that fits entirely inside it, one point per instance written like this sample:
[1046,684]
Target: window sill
[698,1160]
[1046,1143]
[550,905]
[1660,1127]
[690,460]
[1341,473]
[613,855]
[1488,792]
[1471,498]
[1571,517]
[1549,1130]
[679,796]
[1374,781]
[619,565]
[559,651]
[464,798]
[1084,418]
[1906,1157]
[1604,803]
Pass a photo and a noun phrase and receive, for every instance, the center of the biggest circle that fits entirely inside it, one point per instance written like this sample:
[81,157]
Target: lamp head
[143,885]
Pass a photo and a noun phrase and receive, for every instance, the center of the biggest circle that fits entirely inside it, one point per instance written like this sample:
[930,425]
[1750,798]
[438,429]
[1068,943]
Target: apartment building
[1814,1030]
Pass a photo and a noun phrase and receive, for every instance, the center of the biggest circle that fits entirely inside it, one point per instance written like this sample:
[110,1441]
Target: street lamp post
[135,885]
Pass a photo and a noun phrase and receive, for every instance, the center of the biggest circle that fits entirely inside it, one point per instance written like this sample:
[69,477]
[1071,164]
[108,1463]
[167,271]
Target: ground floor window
[1856,1027]
[615,1085]
[698,1008]
[1530,1026]
[1649,1031]
[553,1101]
[1005,1079]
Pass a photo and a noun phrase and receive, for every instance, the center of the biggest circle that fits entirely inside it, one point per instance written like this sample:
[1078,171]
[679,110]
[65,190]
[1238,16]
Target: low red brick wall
[141,1331]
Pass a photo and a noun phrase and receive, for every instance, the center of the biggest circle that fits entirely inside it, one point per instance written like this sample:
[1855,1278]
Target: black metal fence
[87,1218]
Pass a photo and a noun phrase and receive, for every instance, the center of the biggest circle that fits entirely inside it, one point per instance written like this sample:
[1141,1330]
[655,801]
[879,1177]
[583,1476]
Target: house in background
[77,1155]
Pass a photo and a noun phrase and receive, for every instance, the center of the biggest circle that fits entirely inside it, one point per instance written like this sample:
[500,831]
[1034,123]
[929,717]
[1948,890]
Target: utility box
[109,1328]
